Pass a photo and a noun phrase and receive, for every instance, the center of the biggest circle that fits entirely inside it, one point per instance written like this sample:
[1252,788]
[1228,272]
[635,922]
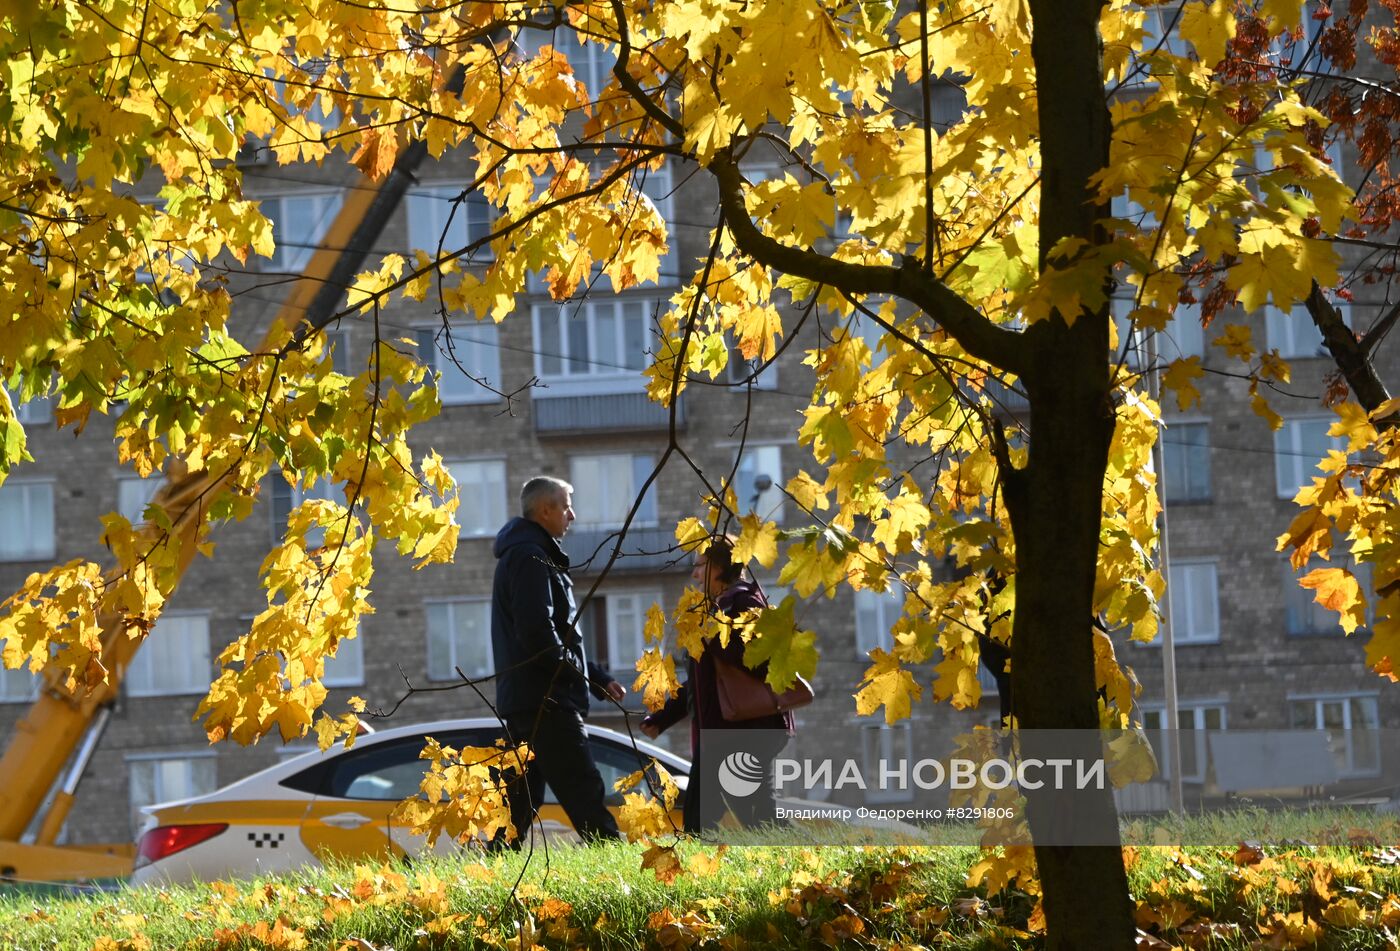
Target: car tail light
[164,841]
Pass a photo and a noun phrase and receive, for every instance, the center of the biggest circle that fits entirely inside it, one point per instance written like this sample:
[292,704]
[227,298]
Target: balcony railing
[609,412]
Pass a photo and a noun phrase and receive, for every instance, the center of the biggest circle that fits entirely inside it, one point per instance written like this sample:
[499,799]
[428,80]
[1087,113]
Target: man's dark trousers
[562,760]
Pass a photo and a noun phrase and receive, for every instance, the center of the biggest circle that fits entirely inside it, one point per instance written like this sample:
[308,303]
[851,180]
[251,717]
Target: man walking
[543,678]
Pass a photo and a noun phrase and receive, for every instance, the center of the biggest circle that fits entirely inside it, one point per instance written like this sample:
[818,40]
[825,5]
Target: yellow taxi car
[336,805]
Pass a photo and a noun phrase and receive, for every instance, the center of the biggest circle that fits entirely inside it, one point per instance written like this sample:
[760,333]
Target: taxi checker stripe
[271,840]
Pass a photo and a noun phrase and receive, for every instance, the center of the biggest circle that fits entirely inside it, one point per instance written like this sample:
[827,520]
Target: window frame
[1198,709]
[1298,600]
[152,486]
[145,657]
[296,494]
[35,412]
[1293,334]
[615,375]
[16,676]
[882,603]
[1304,463]
[479,342]
[643,599]
[770,504]
[1346,768]
[491,524]
[1188,450]
[488,663]
[187,757]
[438,197]
[1180,637]
[293,257]
[647,512]
[29,552]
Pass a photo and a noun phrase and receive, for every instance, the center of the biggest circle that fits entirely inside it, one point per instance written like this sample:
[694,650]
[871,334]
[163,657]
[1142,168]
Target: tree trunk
[1055,502]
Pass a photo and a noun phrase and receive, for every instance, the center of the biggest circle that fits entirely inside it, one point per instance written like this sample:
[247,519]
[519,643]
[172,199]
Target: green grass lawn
[773,897]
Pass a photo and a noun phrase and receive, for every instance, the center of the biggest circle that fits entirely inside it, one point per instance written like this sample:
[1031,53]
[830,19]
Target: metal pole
[1172,730]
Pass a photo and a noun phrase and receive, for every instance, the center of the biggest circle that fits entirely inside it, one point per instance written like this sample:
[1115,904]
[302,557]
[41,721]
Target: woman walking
[722,582]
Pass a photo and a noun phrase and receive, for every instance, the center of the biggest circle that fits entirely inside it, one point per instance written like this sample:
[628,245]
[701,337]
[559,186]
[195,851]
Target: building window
[156,779]
[611,624]
[758,482]
[1351,722]
[1194,605]
[1186,462]
[599,345]
[347,667]
[299,222]
[605,487]
[876,614]
[1303,616]
[1294,335]
[1193,719]
[1183,336]
[36,411]
[884,747]
[18,686]
[26,520]
[174,658]
[1298,447]
[134,494]
[467,358]
[286,498]
[481,492]
[436,217]
[459,636]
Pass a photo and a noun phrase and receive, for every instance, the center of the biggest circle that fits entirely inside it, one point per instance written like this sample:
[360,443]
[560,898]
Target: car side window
[389,770]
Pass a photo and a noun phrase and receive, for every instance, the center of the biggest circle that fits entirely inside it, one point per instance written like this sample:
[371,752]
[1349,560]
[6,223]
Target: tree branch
[978,335]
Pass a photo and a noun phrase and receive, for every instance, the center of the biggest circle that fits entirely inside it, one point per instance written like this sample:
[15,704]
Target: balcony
[644,549]
[602,413]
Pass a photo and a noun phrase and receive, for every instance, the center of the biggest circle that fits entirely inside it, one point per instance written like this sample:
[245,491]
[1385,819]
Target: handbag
[744,696]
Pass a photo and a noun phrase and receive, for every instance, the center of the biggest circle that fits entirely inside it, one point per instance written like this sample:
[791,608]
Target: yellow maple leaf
[887,684]
[692,535]
[656,678]
[662,861]
[702,863]
[1180,376]
[1354,425]
[1208,27]
[758,541]
[1238,341]
[1336,589]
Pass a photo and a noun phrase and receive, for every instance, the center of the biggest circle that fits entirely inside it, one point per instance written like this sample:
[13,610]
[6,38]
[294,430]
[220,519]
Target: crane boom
[53,729]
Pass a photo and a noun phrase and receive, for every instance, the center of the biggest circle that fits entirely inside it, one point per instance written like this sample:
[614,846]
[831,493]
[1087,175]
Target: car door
[403,839]
[354,793]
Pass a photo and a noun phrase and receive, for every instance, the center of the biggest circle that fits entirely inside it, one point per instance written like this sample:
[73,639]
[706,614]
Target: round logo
[740,774]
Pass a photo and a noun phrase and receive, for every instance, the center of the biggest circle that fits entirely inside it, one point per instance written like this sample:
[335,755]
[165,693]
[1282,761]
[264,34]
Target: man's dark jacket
[538,652]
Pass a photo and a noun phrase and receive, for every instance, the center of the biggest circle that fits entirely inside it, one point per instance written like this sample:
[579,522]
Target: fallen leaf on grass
[1249,853]
[840,930]
[684,932]
[1344,913]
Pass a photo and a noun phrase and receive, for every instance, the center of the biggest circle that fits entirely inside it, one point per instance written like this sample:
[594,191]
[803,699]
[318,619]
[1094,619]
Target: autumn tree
[986,250]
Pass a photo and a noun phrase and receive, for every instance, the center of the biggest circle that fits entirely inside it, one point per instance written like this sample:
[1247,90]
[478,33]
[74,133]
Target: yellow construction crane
[63,726]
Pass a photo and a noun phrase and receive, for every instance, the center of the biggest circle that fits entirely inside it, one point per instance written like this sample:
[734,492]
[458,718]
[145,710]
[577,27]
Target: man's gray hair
[539,489]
